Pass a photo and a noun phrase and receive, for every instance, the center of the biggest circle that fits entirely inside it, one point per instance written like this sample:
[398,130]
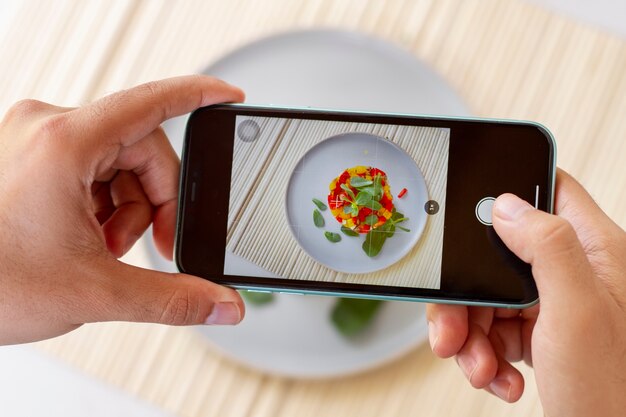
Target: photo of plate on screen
[355,203]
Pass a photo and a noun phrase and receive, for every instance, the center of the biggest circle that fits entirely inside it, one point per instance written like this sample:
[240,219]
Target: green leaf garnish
[371,220]
[347,190]
[318,219]
[257,298]
[374,242]
[333,237]
[358,182]
[352,315]
[349,232]
[363,198]
[404,229]
[319,204]
[374,205]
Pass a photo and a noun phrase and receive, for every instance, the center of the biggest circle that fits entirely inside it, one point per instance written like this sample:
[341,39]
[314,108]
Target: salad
[360,198]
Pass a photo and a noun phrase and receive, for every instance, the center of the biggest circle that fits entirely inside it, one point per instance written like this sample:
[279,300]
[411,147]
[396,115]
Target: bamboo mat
[506,58]
[259,185]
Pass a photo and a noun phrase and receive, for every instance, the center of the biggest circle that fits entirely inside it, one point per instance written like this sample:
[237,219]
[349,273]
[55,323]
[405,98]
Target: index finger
[122,118]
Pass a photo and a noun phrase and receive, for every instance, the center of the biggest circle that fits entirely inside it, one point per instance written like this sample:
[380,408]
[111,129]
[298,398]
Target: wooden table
[506,58]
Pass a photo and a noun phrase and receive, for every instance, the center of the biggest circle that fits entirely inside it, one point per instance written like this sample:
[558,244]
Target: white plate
[332,69]
[327,160]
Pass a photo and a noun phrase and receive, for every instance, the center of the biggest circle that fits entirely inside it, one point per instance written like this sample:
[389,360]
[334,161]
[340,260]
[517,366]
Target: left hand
[78,187]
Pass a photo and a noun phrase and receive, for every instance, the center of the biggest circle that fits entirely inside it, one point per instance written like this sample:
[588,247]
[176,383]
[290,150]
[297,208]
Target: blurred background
[561,63]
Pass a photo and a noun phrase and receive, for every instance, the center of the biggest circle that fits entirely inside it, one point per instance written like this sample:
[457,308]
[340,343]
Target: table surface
[506,58]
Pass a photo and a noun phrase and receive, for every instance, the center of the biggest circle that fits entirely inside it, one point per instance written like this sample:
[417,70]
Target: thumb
[143,295]
[550,244]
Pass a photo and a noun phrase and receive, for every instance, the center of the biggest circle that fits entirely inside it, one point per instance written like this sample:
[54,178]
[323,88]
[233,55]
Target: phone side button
[291,293]
[260,291]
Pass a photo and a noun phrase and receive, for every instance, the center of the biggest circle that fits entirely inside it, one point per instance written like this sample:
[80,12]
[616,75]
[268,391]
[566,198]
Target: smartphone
[356,204]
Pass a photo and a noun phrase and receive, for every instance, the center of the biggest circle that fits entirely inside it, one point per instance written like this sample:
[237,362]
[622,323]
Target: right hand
[576,337]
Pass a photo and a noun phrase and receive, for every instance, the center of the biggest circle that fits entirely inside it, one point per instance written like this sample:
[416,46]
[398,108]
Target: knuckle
[24,108]
[179,309]
[51,131]
[555,232]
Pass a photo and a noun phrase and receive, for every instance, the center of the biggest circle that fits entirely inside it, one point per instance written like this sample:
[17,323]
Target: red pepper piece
[402,193]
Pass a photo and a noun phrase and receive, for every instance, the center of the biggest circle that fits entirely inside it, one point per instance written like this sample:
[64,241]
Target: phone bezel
[325,288]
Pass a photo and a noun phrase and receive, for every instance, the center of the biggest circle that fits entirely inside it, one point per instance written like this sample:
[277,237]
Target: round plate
[333,69]
[327,160]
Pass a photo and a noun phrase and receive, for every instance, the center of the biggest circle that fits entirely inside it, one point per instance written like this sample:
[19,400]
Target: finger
[505,336]
[508,383]
[506,313]
[132,215]
[574,204]
[129,293]
[157,166]
[103,205]
[447,328]
[123,118]
[477,358]
[549,243]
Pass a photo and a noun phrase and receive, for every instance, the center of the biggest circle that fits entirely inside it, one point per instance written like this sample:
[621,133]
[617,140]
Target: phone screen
[347,202]
[342,203]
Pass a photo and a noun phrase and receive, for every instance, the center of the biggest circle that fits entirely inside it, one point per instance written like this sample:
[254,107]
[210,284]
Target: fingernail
[224,313]
[510,207]
[433,336]
[468,365]
[502,388]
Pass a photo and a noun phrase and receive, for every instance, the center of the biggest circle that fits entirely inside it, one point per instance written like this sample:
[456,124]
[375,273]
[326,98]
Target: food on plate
[360,198]
[402,193]
[318,220]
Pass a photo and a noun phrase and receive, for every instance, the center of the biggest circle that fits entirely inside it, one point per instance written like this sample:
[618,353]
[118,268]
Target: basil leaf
[354,210]
[390,229]
[319,204]
[349,232]
[347,190]
[352,316]
[371,220]
[357,182]
[374,242]
[362,198]
[377,191]
[257,298]
[395,216]
[317,218]
[333,237]
[403,229]
[374,205]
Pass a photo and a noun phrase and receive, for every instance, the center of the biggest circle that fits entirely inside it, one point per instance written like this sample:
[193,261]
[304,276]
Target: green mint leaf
[371,220]
[318,219]
[374,205]
[357,182]
[374,242]
[348,232]
[333,237]
[319,204]
[352,316]
[363,198]
[257,298]
[347,190]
